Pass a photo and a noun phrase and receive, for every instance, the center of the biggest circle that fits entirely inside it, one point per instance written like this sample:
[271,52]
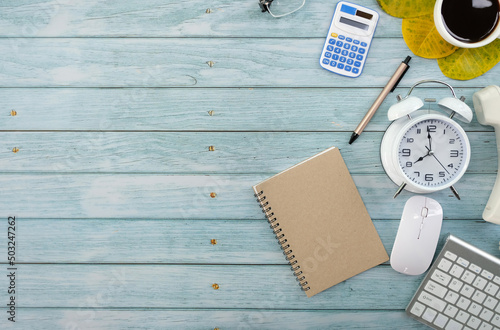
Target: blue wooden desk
[131,135]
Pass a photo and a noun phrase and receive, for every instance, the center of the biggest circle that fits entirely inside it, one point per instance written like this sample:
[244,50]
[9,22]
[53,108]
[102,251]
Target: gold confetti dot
[215,286]
[14,150]
[213,195]
[208,11]
[211,148]
[211,113]
[210,63]
[13,113]
[213,241]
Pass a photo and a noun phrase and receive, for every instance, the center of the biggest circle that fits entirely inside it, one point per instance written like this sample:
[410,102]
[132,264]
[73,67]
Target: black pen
[391,85]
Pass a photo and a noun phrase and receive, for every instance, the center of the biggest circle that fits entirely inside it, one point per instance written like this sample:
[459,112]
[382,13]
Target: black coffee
[470,20]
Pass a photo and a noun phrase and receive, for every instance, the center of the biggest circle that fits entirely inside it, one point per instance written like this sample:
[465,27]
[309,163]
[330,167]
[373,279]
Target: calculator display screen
[353,23]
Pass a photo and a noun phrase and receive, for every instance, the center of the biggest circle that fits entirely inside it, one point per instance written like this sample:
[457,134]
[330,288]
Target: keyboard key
[486,274]
[463,262]
[462,316]
[451,311]
[341,37]
[491,289]
[347,46]
[328,54]
[480,283]
[475,268]
[450,255]
[451,297]
[348,68]
[441,320]
[485,326]
[364,44]
[456,285]
[326,61]
[454,325]
[467,291]
[329,48]
[436,289]
[361,50]
[486,315]
[474,322]
[474,309]
[479,296]
[441,277]
[354,70]
[342,59]
[463,303]
[468,277]
[490,303]
[456,271]
[429,315]
[445,265]
[417,309]
[333,64]
[431,301]
[496,280]
[356,42]
[348,39]
[496,320]
[335,57]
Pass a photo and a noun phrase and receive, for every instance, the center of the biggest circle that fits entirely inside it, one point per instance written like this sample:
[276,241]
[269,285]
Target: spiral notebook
[320,221]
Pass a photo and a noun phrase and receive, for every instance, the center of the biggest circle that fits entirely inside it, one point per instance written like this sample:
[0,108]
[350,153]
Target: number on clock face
[432,152]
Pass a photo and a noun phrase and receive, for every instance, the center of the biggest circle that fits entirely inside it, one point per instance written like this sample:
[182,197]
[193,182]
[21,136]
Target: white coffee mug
[445,33]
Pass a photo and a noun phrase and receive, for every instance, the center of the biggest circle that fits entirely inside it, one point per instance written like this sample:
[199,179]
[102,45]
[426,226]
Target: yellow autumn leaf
[423,39]
[407,8]
[469,63]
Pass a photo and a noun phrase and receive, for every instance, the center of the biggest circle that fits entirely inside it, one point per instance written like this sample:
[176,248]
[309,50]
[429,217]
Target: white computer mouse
[417,236]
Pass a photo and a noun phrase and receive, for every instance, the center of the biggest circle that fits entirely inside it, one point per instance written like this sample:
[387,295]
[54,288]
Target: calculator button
[364,44]
[342,59]
[331,41]
[329,48]
[337,50]
[326,61]
[354,70]
[340,66]
[352,55]
[356,42]
[354,48]
[341,37]
[361,50]
[345,52]
[334,35]
[333,64]
[348,68]
[348,39]
[335,57]
[350,61]
[347,46]
[339,43]
[328,54]
[357,64]
[359,57]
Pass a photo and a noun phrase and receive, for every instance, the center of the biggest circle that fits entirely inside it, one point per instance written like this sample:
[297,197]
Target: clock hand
[429,137]
[432,153]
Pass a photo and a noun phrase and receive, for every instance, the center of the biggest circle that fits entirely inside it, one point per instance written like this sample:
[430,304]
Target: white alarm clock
[424,151]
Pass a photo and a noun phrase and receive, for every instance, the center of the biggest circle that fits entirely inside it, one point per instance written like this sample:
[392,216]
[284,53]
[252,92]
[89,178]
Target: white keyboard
[460,291]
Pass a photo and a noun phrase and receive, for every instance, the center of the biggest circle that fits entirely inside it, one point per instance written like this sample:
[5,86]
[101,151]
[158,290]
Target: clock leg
[455,192]
[400,189]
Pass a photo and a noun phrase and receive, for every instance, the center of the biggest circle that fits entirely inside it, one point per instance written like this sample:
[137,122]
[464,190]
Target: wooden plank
[98,318]
[190,286]
[149,196]
[232,109]
[188,153]
[157,18]
[182,62]
[186,241]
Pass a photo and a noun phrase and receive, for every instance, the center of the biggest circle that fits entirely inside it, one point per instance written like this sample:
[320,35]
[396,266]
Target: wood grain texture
[232,109]
[157,18]
[122,241]
[182,62]
[188,153]
[157,196]
[202,319]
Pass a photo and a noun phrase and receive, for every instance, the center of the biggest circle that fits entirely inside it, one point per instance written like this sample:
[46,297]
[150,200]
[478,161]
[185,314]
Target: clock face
[433,153]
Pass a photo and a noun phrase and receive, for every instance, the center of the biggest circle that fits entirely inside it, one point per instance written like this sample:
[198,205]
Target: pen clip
[397,82]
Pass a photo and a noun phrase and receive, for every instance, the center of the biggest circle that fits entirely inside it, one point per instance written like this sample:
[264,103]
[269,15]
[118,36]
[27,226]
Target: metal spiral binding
[282,241]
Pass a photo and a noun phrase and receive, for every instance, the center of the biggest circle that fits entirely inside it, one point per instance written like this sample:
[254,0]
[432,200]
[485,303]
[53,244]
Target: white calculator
[349,39]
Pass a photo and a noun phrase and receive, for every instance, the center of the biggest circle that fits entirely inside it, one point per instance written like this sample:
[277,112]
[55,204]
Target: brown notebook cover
[320,221]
